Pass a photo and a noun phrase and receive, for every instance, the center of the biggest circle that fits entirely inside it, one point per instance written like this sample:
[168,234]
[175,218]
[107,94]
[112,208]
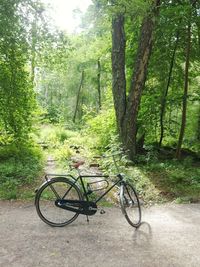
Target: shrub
[63,152]
[55,135]
[18,167]
[103,128]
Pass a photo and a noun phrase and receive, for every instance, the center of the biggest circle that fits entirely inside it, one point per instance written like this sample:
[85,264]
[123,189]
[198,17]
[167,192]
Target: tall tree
[16,92]
[186,82]
[126,108]
[78,96]
[164,98]
[118,71]
[99,82]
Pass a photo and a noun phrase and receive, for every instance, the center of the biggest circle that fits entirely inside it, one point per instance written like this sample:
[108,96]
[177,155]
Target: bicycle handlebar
[113,157]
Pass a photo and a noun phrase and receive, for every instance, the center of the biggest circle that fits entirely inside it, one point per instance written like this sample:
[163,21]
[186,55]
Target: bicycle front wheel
[46,196]
[130,204]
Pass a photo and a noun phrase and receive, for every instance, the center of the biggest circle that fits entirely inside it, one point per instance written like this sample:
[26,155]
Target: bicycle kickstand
[87,219]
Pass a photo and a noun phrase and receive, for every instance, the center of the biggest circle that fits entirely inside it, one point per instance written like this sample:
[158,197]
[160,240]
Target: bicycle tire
[130,204]
[45,199]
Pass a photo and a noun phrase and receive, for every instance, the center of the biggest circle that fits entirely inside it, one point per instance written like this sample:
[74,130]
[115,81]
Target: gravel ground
[169,236]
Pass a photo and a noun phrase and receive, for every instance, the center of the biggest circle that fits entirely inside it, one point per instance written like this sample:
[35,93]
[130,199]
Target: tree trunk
[184,111]
[118,70]
[99,83]
[126,109]
[138,80]
[78,96]
[194,4]
[198,127]
[163,104]
[33,48]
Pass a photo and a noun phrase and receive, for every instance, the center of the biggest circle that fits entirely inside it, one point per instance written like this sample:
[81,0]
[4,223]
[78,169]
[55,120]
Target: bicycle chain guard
[78,206]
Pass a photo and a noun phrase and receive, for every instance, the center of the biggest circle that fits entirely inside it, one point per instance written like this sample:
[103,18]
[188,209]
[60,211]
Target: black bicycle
[60,200]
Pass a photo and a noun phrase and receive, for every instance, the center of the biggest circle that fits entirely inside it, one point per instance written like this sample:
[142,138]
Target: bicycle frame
[81,177]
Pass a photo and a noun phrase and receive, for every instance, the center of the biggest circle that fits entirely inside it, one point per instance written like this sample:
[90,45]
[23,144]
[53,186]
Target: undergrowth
[176,180]
[19,169]
[157,178]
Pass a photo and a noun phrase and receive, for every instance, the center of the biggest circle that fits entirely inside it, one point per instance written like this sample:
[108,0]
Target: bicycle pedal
[102,211]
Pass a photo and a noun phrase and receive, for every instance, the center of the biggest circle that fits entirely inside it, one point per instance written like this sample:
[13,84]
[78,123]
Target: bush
[18,167]
[63,152]
[102,128]
[54,135]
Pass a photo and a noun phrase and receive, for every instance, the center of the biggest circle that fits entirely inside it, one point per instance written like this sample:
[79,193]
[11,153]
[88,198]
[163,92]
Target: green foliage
[171,31]
[55,135]
[103,128]
[175,180]
[19,168]
[59,75]
[17,98]
[63,153]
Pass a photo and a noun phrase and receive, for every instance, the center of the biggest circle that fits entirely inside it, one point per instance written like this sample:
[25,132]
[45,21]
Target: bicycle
[60,199]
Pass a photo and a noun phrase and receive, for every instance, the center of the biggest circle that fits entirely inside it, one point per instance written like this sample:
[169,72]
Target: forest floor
[168,236]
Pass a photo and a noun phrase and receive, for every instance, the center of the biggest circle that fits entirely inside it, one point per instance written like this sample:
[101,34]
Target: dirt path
[50,164]
[169,236]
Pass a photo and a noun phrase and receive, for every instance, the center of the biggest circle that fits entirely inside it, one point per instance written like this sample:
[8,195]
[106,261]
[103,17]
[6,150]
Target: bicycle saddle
[77,164]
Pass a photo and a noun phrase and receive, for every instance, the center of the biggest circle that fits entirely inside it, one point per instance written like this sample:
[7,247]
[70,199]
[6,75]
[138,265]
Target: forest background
[129,78]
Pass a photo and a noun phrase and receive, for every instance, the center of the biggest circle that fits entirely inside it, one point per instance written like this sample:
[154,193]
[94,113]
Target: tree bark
[126,109]
[78,96]
[99,83]
[138,80]
[195,7]
[198,127]
[118,70]
[184,110]
[164,99]
[33,47]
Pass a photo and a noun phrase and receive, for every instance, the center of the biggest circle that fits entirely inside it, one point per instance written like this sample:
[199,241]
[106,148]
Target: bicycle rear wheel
[130,204]
[45,199]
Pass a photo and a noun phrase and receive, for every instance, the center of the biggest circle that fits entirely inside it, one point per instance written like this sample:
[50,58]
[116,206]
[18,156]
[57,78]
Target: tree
[16,92]
[99,82]
[78,96]
[186,81]
[127,107]
[164,98]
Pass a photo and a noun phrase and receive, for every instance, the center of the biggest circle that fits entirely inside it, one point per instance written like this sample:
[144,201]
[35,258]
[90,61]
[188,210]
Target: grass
[171,180]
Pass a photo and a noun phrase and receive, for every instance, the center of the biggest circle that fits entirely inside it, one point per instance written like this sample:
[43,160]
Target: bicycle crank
[77,206]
